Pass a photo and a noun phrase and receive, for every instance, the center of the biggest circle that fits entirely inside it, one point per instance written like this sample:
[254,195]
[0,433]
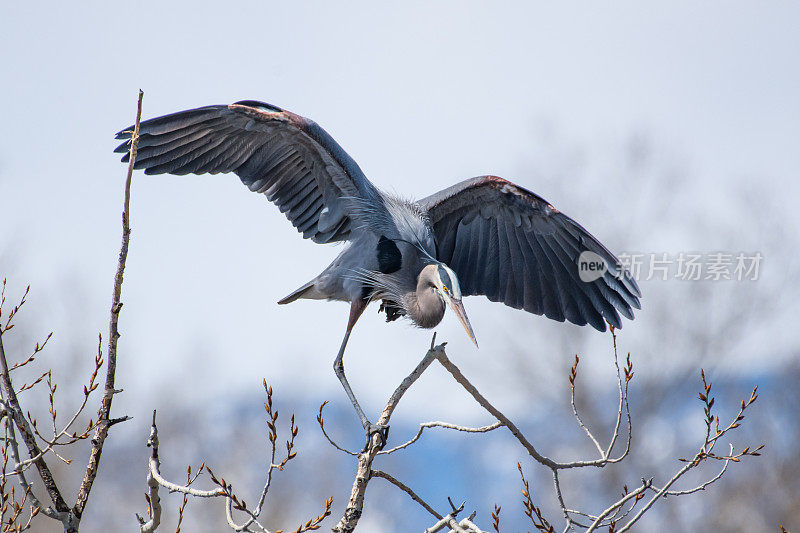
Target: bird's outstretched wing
[509,244]
[290,159]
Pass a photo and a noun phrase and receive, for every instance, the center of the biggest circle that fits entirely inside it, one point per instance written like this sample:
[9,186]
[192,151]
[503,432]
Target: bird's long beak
[458,308]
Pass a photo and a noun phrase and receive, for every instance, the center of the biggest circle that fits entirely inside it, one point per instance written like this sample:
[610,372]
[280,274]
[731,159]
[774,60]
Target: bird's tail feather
[309,290]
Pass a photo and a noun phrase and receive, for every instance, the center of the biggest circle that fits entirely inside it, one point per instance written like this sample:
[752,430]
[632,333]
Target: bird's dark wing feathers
[290,159]
[509,244]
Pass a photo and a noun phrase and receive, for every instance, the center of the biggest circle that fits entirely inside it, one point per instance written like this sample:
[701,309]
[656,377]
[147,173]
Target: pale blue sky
[421,97]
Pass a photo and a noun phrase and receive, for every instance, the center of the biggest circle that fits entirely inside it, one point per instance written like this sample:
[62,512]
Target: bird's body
[483,236]
[376,259]
[390,274]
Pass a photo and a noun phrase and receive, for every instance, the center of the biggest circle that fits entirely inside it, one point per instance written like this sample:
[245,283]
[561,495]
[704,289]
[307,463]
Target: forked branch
[620,515]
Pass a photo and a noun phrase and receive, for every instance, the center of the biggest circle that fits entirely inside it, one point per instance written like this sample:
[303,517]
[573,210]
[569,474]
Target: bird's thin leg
[356,308]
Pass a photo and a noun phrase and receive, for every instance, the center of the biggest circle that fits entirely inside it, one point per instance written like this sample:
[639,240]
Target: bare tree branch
[483,402]
[15,412]
[321,422]
[611,516]
[465,526]
[446,425]
[153,500]
[12,410]
[573,374]
[635,495]
[10,441]
[224,489]
[104,414]
[355,504]
[400,485]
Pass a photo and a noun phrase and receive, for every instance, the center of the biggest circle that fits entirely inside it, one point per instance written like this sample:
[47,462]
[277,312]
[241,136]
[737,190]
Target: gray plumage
[484,235]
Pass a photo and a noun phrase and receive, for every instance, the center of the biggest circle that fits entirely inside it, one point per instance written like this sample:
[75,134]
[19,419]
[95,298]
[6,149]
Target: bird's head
[446,284]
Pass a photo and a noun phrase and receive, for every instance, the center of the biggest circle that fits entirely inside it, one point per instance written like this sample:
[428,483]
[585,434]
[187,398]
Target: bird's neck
[425,306]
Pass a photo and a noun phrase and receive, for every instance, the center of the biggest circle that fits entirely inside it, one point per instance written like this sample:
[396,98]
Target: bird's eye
[445,288]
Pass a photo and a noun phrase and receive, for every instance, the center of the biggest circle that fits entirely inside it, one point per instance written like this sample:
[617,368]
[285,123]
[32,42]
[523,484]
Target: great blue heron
[484,235]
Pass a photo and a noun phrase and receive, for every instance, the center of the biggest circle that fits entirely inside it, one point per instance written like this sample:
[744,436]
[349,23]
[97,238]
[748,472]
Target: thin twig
[65,431]
[703,485]
[104,413]
[532,451]
[619,503]
[623,401]
[321,422]
[572,377]
[483,402]
[405,488]
[446,425]
[223,488]
[15,411]
[11,439]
